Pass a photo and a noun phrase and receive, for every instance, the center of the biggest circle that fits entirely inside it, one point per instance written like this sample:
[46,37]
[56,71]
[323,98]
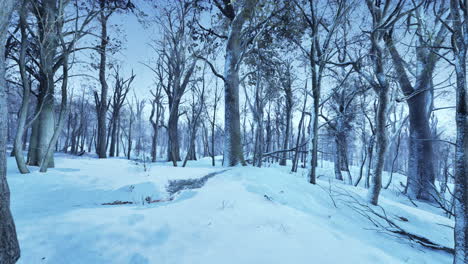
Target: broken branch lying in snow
[387,226]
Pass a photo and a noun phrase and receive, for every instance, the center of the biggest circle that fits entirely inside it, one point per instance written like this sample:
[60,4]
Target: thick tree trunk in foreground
[43,129]
[421,174]
[419,96]
[9,248]
[461,164]
[460,32]
[233,152]
[49,152]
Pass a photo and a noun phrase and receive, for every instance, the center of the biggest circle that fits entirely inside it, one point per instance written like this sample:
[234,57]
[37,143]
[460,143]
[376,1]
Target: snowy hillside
[243,215]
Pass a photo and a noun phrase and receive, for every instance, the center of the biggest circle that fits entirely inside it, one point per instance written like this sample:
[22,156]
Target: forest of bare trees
[376,85]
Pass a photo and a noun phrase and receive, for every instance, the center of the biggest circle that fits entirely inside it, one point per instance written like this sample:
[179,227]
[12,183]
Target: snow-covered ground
[243,215]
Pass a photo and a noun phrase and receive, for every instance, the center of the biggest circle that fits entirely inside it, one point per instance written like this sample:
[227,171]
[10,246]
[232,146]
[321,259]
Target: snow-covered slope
[243,215]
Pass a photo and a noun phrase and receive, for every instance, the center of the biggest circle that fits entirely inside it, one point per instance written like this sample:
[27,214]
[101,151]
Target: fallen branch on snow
[118,203]
[388,225]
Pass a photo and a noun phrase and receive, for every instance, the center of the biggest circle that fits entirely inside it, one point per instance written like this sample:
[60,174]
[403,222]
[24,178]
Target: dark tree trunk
[421,174]
[113,141]
[101,102]
[286,133]
[460,37]
[233,151]
[337,160]
[173,150]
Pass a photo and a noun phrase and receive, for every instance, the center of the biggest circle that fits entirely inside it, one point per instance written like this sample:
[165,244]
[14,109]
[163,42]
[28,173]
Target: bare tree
[176,64]
[47,14]
[23,112]
[121,88]
[237,14]
[419,95]
[318,52]
[52,38]
[286,86]
[300,133]
[106,9]
[197,106]
[342,110]
[212,120]
[157,112]
[384,16]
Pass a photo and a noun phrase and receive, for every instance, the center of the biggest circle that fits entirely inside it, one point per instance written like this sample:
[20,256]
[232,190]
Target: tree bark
[49,152]
[113,141]
[173,149]
[233,152]
[9,247]
[47,16]
[337,160]
[460,46]
[421,172]
[289,105]
[23,112]
[101,106]
[380,145]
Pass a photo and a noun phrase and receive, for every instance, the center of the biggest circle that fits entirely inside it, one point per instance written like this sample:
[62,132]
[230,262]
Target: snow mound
[243,215]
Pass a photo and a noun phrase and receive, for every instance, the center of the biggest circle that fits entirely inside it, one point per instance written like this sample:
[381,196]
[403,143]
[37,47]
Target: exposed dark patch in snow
[175,186]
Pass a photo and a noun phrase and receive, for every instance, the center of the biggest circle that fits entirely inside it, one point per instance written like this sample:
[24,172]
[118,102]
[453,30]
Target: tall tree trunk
[286,133]
[43,129]
[461,163]
[380,145]
[23,112]
[102,102]
[154,144]
[9,247]
[460,34]
[233,152]
[117,154]
[49,25]
[337,160]
[49,150]
[313,131]
[129,142]
[259,140]
[113,141]
[299,133]
[213,126]
[173,150]
[421,174]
